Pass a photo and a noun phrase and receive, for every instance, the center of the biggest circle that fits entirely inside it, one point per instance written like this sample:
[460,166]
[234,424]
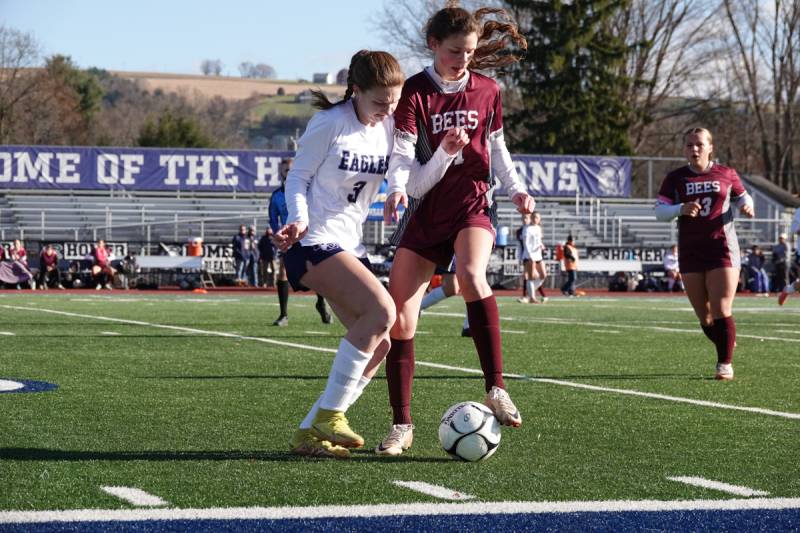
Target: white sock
[538,282]
[531,289]
[362,384]
[312,413]
[466,322]
[348,367]
[433,297]
[670,283]
[790,288]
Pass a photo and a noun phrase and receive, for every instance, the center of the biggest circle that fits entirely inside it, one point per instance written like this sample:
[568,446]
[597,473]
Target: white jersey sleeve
[503,167]
[312,149]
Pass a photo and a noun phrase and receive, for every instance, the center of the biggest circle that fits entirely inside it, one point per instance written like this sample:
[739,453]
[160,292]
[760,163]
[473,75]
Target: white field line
[111,333]
[718,485]
[8,385]
[134,496]
[628,392]
[513,331]
[434,490]
[409,509]
[758,410]
[605,331]
[315,332]
[571,322]
[7,333]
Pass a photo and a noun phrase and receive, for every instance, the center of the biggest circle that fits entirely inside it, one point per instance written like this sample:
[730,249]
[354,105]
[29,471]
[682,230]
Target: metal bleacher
[77,215]
[154,217]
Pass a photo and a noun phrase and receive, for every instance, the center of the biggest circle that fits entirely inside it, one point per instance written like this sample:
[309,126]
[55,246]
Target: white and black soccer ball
[469,431]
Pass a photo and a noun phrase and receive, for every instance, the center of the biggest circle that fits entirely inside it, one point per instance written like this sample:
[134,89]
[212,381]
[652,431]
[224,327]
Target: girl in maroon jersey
[700,196]
[450,119]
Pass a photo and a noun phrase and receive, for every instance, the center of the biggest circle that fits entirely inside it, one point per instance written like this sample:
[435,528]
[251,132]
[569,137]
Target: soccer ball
[469,431]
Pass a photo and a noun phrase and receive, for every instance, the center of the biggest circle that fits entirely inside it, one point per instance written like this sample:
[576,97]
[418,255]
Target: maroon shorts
[440,250]
[711,254]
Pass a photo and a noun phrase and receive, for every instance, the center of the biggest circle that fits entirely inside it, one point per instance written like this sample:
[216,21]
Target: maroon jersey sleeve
[405,114]
[737,189]
[497,120]
[668,193]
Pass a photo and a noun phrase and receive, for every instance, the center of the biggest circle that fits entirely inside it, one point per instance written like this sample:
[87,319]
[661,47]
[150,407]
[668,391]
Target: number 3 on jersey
[357,188]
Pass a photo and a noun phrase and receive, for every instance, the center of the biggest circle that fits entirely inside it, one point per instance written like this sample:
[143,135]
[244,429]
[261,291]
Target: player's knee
[470,281]
[382,316]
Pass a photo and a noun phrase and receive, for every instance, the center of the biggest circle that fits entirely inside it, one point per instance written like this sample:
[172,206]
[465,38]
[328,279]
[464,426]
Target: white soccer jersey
[336,175]
[670,261]
[532,242]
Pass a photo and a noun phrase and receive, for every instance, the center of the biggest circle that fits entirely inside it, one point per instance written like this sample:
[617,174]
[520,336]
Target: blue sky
[296,37]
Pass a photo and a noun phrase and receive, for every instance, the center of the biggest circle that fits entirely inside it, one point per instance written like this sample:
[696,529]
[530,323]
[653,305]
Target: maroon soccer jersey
[708,240]
[459,200]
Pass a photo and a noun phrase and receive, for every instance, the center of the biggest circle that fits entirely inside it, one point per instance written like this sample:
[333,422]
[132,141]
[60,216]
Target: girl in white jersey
[337,172]
[532,260]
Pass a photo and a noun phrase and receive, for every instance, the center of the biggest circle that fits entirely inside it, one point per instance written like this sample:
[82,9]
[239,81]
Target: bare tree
[211,67]
[19,54]
[245,69]
[401,22]
[666,43]
[765,62]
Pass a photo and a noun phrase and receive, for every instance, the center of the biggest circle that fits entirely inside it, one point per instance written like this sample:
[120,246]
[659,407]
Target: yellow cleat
[305,444]
[333,426]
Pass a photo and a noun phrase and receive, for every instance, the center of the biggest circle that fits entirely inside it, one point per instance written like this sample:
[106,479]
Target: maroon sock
[540,290]
[709,331]
[484,323]
[726,339]
[399,377]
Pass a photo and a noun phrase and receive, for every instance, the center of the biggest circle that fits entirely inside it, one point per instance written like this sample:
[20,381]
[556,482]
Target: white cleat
[503,408]
[399,440]
[724,372]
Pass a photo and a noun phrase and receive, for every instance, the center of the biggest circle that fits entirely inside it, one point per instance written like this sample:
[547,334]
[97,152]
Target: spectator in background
[19,259]
[49,275]
[755,264]
[252,259]
[671,269]
[241,254]
[794,270]
[570,266]
[780,263]
[266,259]
[102,273]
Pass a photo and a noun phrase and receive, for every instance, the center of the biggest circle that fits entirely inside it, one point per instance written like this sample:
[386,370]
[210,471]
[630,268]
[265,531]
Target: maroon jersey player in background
[450,119]
[702,195]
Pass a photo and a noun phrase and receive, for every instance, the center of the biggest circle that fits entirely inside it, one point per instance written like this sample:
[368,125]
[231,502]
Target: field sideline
[190,399]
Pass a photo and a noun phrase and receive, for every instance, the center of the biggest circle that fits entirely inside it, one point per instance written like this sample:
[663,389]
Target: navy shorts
[296,257]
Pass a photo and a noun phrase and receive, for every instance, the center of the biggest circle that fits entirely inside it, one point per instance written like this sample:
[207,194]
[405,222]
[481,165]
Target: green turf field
[190,399]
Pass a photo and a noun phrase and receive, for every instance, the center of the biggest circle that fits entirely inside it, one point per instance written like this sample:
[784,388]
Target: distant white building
[322,77]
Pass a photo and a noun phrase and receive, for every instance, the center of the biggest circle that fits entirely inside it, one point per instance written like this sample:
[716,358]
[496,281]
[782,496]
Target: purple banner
[58,167]
[160,169]
[552,175]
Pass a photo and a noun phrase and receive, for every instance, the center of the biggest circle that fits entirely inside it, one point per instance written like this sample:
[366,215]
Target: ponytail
[367,69]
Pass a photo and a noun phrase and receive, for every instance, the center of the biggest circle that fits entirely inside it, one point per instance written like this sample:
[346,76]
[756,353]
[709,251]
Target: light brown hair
[368,69]
[492,52]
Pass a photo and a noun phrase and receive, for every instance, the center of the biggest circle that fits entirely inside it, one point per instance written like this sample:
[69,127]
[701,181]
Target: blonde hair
[698,131]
